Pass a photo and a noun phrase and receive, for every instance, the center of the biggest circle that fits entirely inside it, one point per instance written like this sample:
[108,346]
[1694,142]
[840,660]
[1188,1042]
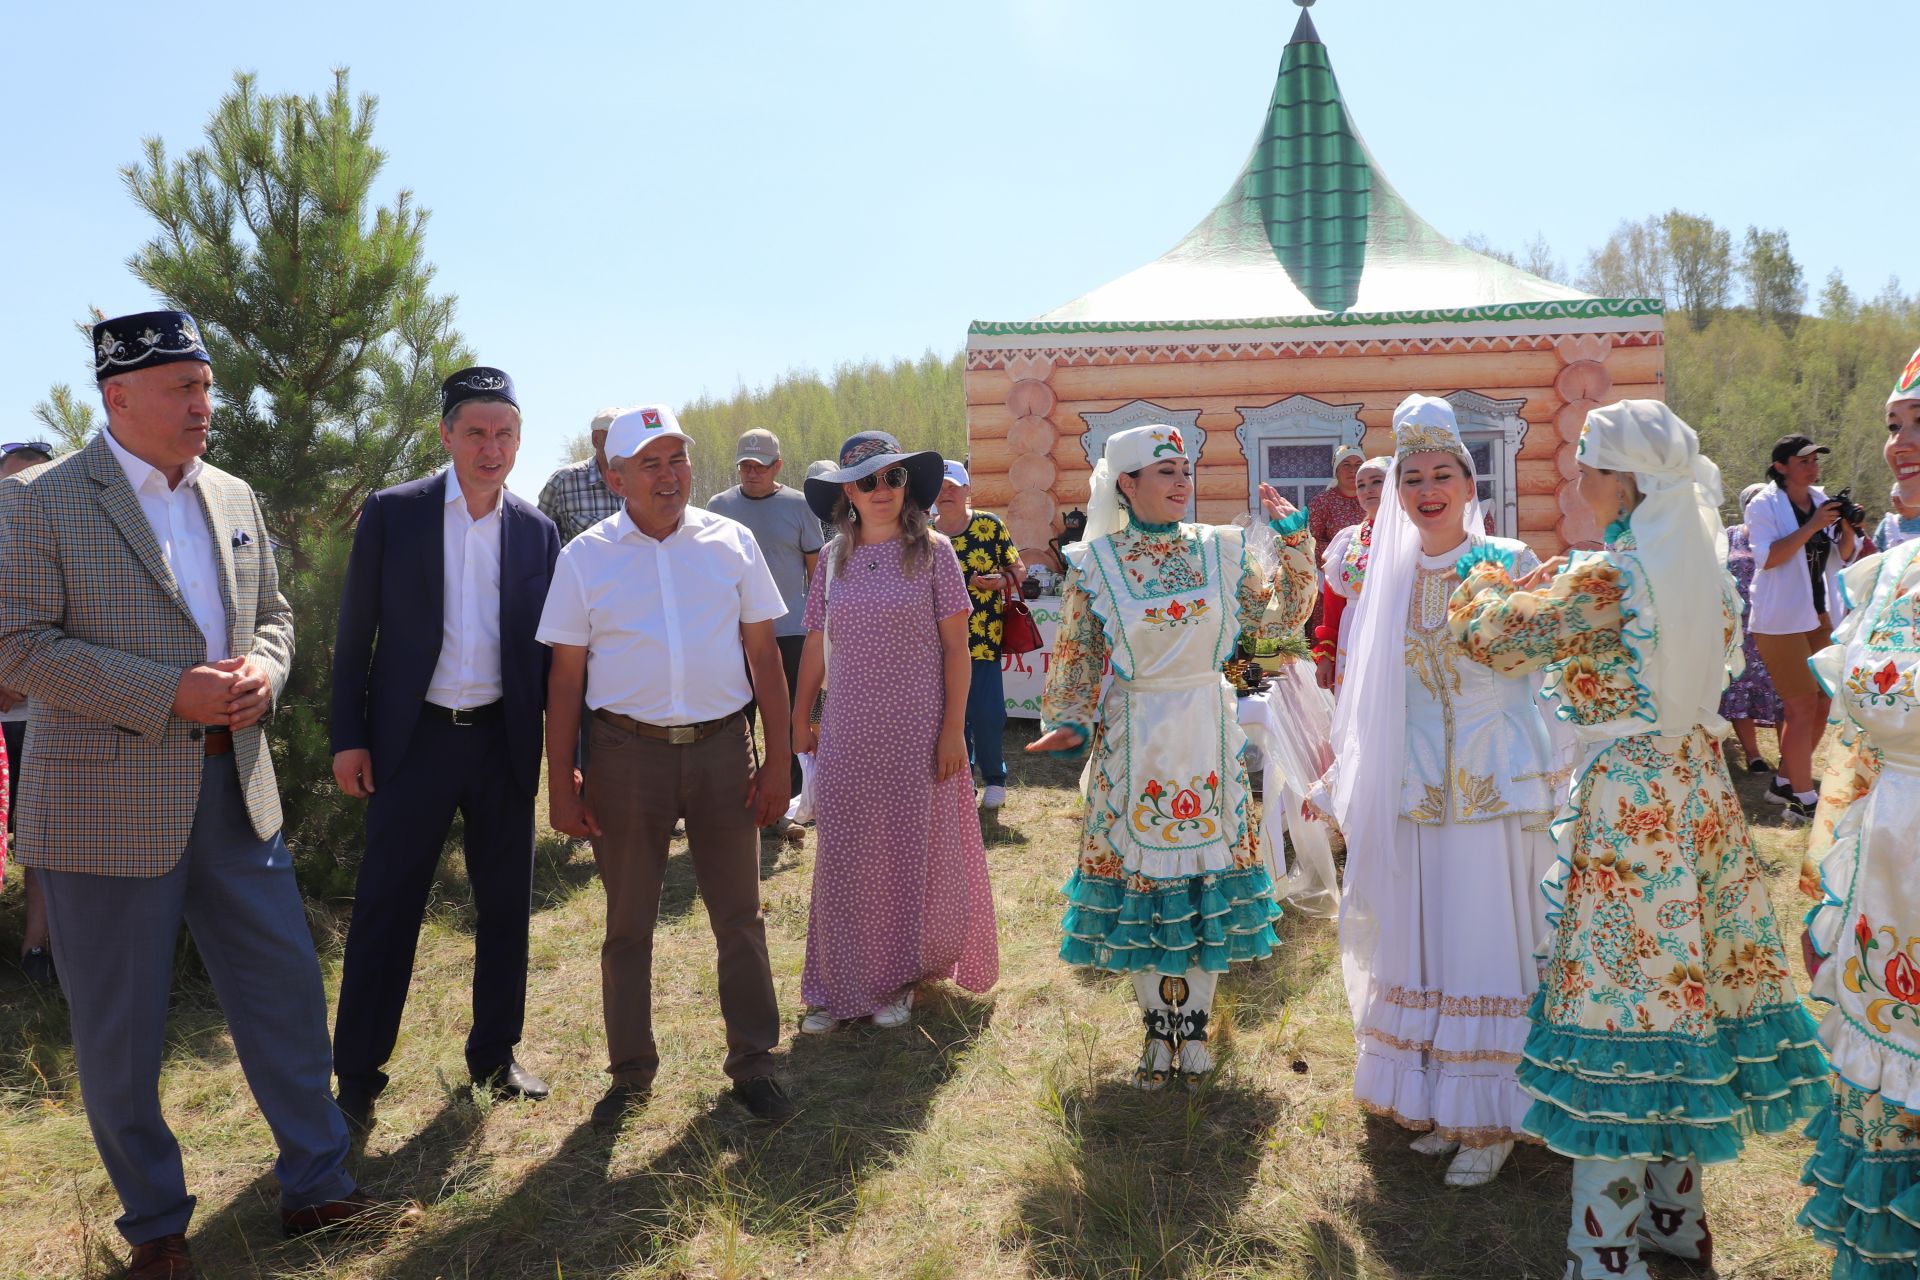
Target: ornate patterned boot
[1162,1021]
[1190,1035]
[1676,1218]
[1607,1205]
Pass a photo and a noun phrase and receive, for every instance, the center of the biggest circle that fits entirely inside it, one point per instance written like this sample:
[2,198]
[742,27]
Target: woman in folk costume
[1170,886]
[1342,570]
[1666,1028]
[1865,933]
[1443,785]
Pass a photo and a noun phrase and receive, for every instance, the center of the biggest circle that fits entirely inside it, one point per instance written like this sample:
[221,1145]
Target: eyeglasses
[896,478]
[38,446]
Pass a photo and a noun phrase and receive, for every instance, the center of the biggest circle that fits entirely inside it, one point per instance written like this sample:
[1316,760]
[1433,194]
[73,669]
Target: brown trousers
[638,788]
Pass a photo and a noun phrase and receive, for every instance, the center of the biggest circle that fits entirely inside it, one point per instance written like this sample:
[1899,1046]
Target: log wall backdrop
[1025,407]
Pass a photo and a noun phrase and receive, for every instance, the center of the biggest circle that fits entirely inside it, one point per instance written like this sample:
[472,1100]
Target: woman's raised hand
[1540,577]
[1061,739]
[1276,507]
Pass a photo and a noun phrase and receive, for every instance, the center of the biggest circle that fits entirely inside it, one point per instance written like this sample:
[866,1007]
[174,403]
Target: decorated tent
[1291,320]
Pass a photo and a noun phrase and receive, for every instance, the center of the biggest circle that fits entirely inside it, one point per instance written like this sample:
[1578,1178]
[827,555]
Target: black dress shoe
[620,1101]
[513,1081]
[357,1107]
[38,964]
[763,1096]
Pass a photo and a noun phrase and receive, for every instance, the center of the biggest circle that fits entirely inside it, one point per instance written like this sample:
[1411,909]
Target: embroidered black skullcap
[144,340]
[471,384]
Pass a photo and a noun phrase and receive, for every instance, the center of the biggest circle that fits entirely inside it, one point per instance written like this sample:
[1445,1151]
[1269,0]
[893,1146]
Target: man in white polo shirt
[663,615]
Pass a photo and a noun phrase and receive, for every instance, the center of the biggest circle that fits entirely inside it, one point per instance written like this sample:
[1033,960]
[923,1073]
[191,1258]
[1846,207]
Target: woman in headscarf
[1443,785]
[1667,1028]
[1170,887]
[1865,933]
[1342,570]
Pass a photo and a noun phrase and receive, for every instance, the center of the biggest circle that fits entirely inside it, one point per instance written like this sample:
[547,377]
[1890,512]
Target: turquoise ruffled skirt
[1622,1095]
[1204,921]
[1865,1175]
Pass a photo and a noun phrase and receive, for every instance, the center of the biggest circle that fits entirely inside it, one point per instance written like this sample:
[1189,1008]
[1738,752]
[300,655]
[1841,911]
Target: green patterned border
[1565,309]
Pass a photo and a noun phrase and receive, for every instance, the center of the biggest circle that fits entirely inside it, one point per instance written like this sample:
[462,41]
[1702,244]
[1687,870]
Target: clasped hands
[232,693]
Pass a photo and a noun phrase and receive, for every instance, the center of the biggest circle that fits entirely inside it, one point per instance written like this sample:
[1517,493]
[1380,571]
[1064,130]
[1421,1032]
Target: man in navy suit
[439,690]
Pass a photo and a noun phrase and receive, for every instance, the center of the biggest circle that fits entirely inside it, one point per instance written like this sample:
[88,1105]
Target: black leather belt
[466,716]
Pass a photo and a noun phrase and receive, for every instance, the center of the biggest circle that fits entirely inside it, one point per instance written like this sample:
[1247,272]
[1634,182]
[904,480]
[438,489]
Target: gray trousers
[113,945]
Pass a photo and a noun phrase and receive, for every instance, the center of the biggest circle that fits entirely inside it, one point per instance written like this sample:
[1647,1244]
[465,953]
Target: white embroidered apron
[1168,768]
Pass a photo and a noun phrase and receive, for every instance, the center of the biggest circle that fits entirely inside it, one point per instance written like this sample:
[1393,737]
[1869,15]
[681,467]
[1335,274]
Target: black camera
[1850,511]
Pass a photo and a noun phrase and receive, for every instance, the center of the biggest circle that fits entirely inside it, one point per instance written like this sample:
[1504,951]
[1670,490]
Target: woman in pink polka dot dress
[900,892]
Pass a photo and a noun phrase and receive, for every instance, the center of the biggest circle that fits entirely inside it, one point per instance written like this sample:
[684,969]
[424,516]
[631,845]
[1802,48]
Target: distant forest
[1747,362]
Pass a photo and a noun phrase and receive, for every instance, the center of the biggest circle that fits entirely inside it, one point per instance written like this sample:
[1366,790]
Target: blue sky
[647,202]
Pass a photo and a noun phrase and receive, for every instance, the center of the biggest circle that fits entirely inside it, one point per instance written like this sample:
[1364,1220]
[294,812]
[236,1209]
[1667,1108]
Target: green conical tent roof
[1310,227]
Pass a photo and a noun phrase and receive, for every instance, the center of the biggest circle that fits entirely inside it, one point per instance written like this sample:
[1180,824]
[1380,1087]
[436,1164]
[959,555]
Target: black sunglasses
[896,478]
[38,446]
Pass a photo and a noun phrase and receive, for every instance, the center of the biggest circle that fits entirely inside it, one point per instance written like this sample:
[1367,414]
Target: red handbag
[1019,633]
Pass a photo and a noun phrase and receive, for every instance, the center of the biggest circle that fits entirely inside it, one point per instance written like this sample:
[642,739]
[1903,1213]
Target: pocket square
[241,538]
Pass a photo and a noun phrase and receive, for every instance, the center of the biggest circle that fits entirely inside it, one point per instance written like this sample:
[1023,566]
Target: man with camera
[1801,540]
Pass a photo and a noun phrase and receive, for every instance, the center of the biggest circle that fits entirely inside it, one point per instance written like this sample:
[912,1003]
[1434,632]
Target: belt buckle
[463,717]
[681,735]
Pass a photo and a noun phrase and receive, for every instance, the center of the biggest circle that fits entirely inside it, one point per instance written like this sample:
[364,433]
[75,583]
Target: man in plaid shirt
[576,496]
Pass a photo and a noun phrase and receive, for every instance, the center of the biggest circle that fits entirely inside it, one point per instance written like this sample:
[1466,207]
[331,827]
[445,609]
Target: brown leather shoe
[355,1213]
[162,1259]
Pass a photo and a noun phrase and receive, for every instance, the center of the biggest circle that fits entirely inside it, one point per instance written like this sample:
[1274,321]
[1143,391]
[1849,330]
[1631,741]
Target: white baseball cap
[956,472]
[639,427]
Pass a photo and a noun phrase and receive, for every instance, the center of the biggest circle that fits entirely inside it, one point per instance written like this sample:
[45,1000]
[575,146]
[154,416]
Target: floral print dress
[1865,1170]
[1666,1026]
[1169,875]
[1750,695]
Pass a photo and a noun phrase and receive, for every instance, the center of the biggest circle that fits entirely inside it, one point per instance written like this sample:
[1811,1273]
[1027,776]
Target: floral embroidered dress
[1865,1171]
[1440,998]
[1170,876]
[1345,569]
[1666,1027]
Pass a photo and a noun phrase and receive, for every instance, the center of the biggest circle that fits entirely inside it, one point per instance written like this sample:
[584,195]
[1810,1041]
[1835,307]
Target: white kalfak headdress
[1369,717]
[1126,452]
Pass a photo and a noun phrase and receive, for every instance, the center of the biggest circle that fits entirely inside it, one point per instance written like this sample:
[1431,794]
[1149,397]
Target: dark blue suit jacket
[388,640]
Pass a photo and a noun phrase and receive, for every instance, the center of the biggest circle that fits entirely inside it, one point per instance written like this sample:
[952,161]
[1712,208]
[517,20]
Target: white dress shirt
[1782,597]
[180,527]
[660,620]
[468,671]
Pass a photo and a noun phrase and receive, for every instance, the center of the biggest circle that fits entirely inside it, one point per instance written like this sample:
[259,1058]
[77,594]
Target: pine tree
[328,347]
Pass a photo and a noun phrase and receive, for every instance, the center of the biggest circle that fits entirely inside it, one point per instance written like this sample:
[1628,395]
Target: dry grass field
[993,1137]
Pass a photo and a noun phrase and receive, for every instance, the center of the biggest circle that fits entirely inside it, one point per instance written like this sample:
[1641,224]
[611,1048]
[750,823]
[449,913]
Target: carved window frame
[1141,413]
[1499,423]
[1296,420]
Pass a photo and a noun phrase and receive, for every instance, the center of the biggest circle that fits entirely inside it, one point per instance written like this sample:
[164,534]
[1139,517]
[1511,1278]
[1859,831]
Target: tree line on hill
[318,305]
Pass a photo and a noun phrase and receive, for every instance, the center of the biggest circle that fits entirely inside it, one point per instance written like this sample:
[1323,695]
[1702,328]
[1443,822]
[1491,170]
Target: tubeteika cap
[145,340]
[471,384]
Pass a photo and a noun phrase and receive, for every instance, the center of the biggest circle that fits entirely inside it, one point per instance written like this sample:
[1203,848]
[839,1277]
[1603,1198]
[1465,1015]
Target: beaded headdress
[1425,424]
[1907,386]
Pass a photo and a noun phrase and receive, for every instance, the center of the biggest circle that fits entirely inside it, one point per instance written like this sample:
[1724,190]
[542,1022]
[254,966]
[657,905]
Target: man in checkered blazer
[142,616]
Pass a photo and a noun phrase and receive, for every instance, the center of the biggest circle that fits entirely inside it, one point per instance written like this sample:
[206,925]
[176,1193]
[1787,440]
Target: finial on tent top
[1303,32]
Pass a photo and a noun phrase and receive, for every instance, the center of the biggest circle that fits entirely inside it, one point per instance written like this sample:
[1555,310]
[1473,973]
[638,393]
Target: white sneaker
[995,797]
[896,1013]
[818,1023]
[1432,1144]
[1477,1166]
